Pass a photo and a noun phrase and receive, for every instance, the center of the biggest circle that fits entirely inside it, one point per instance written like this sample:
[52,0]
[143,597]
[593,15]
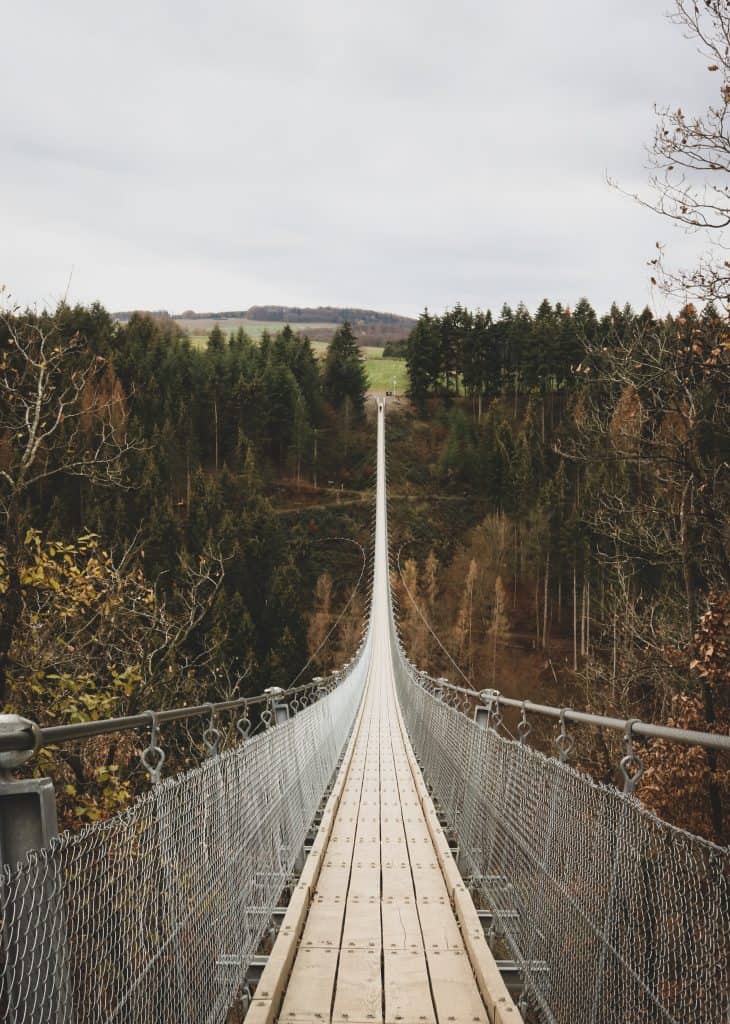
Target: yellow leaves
[32,539]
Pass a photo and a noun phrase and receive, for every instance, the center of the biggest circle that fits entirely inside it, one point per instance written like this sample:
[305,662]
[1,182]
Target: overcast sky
[387,154]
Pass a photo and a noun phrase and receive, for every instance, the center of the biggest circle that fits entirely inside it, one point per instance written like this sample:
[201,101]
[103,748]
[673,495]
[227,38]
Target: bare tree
[689,160]
[653,425]
[62,411]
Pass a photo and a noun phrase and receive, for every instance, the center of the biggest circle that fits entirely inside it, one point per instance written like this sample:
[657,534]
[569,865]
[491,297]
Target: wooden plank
[406,988]
[428,880]
[323,926]
[279,965]
[490,981]
[362,926]
[261,1011]
[438,925]
[333,878]
[454,988]
[401,925]
[359,992]
[397,881]
[365,878]
[309,992]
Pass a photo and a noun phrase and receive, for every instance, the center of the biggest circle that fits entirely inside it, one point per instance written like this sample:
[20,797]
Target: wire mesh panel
[611,914]
[155,914]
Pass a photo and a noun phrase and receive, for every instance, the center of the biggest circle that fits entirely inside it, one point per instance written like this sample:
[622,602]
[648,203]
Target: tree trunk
[545,602]
[575,619]
[10,603]
[215,417]
[347,422]
[514,593]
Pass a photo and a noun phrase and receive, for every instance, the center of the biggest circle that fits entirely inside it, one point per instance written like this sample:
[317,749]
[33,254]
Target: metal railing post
[28,823]
[481,716]
[27,806]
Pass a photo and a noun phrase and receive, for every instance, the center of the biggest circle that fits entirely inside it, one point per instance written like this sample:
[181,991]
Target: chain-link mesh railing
[154,915]
[613,916]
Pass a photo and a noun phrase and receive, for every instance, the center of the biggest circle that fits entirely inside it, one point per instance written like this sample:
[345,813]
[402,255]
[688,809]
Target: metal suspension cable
[350,599]
[33,737]
[426,623]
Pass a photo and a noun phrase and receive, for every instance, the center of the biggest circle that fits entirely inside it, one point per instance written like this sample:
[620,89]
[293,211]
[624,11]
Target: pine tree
[455,325]
[479,360]
[345,377]
[423,359]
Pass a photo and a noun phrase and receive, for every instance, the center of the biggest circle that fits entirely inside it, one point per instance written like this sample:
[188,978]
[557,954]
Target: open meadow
[381,372]
[200,329]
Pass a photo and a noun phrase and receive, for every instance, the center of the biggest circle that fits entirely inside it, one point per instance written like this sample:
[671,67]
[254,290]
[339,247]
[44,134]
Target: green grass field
[380,371]
[200,329]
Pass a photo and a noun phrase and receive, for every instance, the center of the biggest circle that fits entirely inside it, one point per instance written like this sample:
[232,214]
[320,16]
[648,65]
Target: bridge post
[279,709]
[32,914]
[27,806]
[481,716]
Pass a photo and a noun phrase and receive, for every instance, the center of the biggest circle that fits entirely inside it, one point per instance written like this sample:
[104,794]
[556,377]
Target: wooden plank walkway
[381,929]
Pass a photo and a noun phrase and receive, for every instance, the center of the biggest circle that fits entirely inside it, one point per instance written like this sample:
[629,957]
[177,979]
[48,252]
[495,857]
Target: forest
[177,519]
[186,523]
[599,449]
[166,510]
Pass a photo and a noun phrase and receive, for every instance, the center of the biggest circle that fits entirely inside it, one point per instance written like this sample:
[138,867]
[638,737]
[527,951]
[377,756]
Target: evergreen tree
[455,325]
[480,366]
[345,378]
[423,359]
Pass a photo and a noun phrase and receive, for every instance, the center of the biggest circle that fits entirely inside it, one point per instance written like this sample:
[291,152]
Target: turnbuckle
[153,756]
[212,735]
[632,767]
[564,741]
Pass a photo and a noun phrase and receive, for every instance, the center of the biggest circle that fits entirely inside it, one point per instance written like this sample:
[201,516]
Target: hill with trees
[146,560]
[599,448]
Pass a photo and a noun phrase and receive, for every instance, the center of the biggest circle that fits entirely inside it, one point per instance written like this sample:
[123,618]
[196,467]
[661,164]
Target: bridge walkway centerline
[380,928]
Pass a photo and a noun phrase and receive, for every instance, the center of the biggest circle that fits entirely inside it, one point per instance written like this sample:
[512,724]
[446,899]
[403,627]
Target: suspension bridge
[379,852]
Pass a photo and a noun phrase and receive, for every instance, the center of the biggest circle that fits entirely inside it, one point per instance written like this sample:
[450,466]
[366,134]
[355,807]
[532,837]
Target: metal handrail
[32,737]
[688,737]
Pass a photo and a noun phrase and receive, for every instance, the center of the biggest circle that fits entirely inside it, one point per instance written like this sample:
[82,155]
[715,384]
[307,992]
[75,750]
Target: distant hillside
[318,323]
[124,315]
[328,315]
[320,315]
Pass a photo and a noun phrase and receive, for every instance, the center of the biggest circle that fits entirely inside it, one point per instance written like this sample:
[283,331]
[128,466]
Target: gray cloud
[388,154]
